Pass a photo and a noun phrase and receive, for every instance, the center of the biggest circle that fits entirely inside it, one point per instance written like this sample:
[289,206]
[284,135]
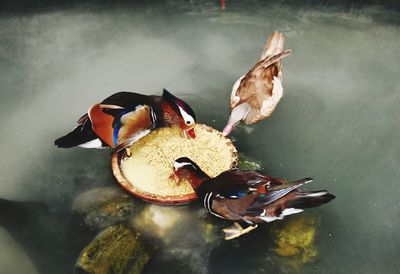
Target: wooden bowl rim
[155,198]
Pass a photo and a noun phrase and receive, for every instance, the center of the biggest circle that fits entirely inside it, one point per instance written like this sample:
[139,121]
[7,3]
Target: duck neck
[156,104]
[196,178]
[168,115]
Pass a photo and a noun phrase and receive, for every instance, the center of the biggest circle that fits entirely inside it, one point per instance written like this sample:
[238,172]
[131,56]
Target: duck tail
[307,199]
[81,135]
[274,45]
[276,58]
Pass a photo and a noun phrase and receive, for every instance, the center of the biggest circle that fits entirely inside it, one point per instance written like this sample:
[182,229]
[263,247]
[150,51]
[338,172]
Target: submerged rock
[186,234]
[248,163]
[104,206]
[294,241]
[118,249]
[158,221]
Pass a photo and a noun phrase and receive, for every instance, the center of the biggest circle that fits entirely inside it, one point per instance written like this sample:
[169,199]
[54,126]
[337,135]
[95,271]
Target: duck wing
[129,100]
[235,183]
[277,192]
[261,87]
[285,201]
[79,136]
[274,45]
[119,126]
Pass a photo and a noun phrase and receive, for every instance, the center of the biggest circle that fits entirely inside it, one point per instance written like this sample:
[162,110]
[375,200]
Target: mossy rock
[104,206]
[118,249]
[295,241]
[249,163]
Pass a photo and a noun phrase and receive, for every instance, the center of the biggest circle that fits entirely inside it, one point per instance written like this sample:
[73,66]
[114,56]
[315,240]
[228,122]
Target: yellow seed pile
[151,163]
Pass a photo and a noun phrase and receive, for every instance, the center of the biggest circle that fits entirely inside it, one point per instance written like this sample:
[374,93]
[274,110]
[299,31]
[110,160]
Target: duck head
[238,114]
[185,168]
[178,112]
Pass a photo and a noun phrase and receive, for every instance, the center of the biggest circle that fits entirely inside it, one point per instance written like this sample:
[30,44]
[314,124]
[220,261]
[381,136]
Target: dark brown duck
[248,197]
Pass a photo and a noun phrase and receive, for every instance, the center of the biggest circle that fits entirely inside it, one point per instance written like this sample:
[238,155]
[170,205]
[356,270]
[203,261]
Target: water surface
[338,123]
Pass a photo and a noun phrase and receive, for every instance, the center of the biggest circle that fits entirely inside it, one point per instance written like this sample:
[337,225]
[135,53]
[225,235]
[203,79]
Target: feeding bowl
[146,174]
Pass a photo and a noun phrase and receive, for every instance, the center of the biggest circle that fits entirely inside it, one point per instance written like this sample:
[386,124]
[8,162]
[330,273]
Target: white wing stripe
[96,143]
[235,99]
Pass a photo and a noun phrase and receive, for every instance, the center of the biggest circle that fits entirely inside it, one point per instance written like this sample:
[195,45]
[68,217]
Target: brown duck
[248,197]
[256,94]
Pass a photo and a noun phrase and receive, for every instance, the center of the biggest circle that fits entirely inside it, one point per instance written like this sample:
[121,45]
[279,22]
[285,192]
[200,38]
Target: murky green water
[338,123]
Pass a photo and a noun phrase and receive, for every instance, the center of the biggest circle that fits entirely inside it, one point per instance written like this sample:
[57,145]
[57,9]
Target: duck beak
[189,133]
[228,129]
[174,173]
[238,114]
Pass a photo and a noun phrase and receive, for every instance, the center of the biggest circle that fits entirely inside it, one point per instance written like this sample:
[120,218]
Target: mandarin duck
[248,197]
[125,117]
[256,94]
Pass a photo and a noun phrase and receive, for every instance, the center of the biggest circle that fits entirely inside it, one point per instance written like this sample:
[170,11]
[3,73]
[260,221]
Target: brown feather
[235,209]
[277,57]
[275,209]
[274,44]
[170,115]
[256,86]
[102,124]
[232,209]
[134,122]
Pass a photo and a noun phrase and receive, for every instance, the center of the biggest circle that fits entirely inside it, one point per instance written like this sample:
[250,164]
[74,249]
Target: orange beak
[174,175]
[191,133]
